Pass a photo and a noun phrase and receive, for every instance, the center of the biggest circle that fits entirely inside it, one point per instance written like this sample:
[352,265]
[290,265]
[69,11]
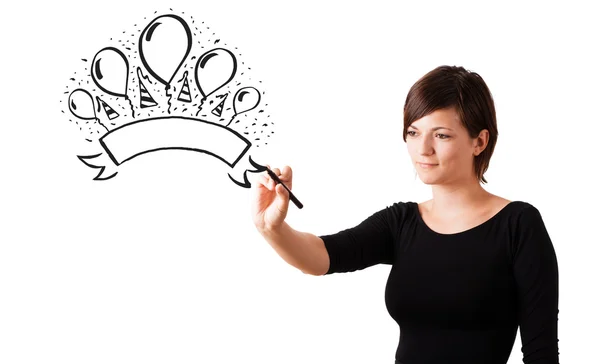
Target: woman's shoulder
[520,206]
[401,206]
[519,214]
[396,210]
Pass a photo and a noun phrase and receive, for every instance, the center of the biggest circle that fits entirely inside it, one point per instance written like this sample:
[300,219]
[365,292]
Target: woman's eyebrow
[433,129]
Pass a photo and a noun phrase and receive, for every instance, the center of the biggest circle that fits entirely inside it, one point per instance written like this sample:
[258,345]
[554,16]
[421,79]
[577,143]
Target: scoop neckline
[488,221]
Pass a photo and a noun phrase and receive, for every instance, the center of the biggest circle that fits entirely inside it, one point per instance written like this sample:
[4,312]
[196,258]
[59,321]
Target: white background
[162,264]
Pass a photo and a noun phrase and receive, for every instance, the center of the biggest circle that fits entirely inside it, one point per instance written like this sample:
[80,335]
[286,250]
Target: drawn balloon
[81,104]
[164,45]
[245,99]
[110,71]
[215,69]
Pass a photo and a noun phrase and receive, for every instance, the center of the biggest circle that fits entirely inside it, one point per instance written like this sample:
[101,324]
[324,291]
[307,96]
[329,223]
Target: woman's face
[440,139]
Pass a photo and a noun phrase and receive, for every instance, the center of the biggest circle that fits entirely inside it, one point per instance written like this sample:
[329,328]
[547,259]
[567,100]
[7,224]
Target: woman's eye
[412,133]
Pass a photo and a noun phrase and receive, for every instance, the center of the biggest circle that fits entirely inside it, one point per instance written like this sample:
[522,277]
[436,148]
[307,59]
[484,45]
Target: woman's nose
[425,146]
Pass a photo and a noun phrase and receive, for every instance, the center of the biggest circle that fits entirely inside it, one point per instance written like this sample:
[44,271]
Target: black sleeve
[535,269]
[362,246]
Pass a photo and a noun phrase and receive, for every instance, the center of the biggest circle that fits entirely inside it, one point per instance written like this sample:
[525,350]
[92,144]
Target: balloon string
[170,97]
[130,105]
[99,122]
[232,119]
[201,104]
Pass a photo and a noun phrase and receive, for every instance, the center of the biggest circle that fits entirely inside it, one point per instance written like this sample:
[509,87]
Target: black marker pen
[292,197]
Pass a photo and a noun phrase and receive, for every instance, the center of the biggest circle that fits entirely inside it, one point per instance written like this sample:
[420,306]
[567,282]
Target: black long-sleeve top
[459,298]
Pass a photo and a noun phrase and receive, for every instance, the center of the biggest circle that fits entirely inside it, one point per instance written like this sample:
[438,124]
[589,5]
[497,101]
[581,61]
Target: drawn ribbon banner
[173,132]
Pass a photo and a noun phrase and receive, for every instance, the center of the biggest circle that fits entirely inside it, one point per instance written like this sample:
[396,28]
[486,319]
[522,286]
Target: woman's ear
[482,141]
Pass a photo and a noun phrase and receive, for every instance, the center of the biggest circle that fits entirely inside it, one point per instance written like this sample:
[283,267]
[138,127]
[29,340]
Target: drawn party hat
[110,112]
[146,99]
[185,94]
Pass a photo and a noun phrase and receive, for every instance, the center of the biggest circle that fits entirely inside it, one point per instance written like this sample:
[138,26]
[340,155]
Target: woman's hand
[270,201]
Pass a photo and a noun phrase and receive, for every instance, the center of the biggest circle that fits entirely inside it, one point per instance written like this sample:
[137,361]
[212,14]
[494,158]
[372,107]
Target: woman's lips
[423,165]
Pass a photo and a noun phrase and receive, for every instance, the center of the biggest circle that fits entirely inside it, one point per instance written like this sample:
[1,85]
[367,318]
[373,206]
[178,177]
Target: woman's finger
[267,182]
[263,180]
[286,173]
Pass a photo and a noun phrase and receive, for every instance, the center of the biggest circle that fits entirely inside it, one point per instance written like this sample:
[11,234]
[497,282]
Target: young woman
[468,267]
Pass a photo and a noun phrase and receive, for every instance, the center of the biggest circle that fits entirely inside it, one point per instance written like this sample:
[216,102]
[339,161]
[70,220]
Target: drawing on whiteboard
[168,85]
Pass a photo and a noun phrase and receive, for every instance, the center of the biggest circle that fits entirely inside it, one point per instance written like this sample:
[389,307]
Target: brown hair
[451,86]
